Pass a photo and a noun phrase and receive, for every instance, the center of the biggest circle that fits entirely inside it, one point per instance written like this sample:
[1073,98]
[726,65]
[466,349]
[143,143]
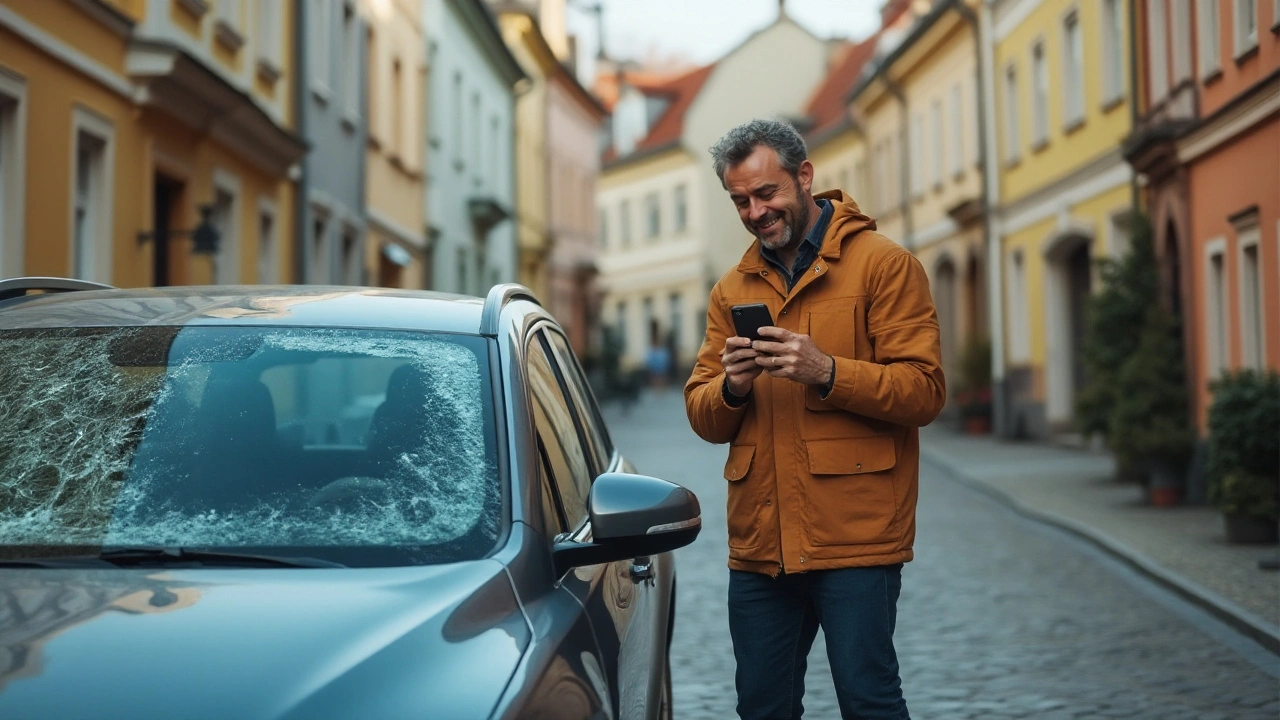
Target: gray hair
[741,141]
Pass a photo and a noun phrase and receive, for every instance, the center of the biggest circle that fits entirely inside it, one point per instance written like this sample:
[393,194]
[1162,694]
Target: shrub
[1244,443]
[1149,420]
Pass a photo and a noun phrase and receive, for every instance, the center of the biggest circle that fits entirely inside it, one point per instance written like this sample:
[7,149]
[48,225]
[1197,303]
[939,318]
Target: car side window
[551,509]
[584,400]
[554,424]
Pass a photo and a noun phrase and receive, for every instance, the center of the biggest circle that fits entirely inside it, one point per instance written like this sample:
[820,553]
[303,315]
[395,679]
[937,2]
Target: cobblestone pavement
[999,616]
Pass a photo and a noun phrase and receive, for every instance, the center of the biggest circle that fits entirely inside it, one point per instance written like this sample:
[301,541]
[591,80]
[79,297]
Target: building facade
[1062,109]
[333,121]
[670,229]
[397,245]
[470,183]
[1208,150]
[150,118]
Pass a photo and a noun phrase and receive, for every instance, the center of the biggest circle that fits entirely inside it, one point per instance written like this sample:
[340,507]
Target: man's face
[773,205]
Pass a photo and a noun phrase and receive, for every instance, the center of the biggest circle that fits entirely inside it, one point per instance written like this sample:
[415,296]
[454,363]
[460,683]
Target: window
[584,404]
[350,257]
[604,227]
[319,246]
[495,157]
[350,62]
[270,39]
[677,319]
[682,208]
[620,325]
[457,120]
[1216,326]
[91,202]
[1158,54]
[1073,70]
[1019,329]
[653,216]
[226,270]
[1039,96]
[1011,144]
[1113,58]
[916,151]
[1253,346]
[624,222]
[267,273]
[558,435]
[957,131]
[320,37]
[1246,24]
[1208,33]
[397,109]
[1181,40]
[650,322]
[12,145]
[372,84]
[476,125]
[939,150]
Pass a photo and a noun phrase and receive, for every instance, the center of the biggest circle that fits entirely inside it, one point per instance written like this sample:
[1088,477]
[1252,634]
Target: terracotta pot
[1164,484]
[1251,530]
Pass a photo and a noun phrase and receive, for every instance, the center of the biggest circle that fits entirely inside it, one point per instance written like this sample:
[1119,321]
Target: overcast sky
[704,30]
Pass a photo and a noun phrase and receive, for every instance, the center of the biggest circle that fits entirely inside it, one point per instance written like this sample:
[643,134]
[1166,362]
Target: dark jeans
[773,622]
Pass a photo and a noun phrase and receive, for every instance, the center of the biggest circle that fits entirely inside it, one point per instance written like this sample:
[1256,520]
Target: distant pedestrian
[657,361]
[822,416]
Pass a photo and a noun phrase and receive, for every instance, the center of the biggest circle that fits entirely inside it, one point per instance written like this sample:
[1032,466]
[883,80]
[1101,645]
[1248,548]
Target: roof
[827,106]
[669,127]
[258,305]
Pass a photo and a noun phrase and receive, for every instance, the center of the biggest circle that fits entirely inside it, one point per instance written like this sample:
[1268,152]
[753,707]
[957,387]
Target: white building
[668,228]
[470,183]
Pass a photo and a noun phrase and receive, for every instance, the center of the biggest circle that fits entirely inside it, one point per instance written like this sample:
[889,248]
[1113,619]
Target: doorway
[166,204]
[1069,284]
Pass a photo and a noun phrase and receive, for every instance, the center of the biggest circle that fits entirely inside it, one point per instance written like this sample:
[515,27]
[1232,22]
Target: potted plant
[1244,454]
[1149,423]
[974,393]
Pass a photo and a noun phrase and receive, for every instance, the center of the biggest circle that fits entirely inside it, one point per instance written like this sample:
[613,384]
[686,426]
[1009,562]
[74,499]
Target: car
[263,502]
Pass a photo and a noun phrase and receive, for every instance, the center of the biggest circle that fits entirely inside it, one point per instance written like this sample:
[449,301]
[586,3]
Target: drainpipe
[1134,86]
[301,79]
[985,41]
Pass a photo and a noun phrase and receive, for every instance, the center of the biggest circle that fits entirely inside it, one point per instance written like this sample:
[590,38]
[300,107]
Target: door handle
[642,570]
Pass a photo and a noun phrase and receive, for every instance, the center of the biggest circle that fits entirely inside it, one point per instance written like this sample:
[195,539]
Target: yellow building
[123,122]
[397,247]
[1062,109]
[932,78]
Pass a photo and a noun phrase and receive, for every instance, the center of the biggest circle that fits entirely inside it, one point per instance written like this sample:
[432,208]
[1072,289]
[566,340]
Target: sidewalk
[1183,548]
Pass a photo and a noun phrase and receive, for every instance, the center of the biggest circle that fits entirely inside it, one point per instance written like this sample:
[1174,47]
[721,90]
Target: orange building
[126,123]
[1208,148]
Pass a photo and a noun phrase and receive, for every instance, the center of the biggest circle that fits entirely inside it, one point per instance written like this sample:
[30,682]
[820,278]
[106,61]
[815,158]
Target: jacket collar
[847,220]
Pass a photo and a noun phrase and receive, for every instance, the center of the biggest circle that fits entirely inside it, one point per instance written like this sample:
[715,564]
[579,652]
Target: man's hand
[740,367]
[792,356]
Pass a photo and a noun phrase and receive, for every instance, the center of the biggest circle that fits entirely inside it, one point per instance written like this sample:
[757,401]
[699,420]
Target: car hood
[253,644]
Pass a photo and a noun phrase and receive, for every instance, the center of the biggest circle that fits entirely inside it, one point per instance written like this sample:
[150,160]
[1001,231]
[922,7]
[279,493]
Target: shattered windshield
[326,442]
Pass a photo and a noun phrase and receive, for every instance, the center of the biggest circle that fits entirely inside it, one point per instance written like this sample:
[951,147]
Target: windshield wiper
[70,561]
[162,555]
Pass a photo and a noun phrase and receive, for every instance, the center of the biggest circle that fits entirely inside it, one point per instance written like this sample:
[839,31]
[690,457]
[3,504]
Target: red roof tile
[827,105]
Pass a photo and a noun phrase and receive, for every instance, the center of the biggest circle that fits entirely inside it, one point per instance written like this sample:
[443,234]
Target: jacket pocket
[850,498]
[743,511]
[834,333]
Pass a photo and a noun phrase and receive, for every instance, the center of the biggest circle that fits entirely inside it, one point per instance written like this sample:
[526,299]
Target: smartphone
[748,319]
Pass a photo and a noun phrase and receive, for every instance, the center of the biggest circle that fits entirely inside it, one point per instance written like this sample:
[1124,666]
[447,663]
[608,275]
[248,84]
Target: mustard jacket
[820,483]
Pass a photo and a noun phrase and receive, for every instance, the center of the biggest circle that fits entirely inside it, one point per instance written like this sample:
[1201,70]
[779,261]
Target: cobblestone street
[1000,617]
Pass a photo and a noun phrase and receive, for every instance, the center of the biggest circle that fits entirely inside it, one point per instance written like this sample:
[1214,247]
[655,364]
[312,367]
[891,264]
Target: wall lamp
[205,236]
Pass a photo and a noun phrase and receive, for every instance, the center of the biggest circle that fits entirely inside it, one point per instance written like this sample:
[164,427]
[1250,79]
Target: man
[822,416]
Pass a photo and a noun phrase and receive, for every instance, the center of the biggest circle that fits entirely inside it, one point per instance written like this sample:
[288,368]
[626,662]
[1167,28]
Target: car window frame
[583,398]
[573,525]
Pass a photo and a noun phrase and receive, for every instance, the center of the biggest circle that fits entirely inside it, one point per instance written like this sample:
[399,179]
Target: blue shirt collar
[813,240]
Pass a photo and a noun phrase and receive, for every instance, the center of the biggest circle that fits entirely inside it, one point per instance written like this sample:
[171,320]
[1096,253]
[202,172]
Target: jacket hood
[847,220]
[258,644]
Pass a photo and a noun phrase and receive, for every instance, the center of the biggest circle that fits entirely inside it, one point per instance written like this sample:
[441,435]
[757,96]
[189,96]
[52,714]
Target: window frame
[1217,347]
[1180,31]
[1040,95]
[1253,310]
[938,172]
[1209,43]
[85,122]
[1074,92]
[320,62]
[957,131]
[535,338]
[1013,144]
[574,379]
[1157,50]
[1113,65]
[1245,41]
[13,169]
[680,197]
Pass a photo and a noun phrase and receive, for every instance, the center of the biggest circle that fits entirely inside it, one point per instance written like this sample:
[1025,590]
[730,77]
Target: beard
[791,230]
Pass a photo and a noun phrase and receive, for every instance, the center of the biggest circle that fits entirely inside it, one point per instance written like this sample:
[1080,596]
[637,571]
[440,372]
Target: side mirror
[632,516]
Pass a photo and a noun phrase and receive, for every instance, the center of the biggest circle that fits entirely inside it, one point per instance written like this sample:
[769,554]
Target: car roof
[261,305]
